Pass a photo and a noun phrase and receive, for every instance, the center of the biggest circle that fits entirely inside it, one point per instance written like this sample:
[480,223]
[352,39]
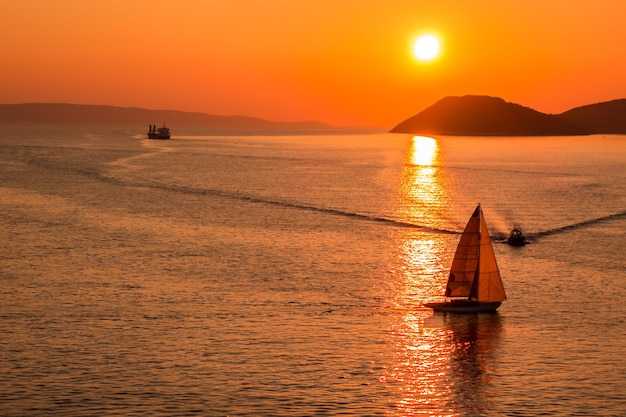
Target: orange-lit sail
[474,273]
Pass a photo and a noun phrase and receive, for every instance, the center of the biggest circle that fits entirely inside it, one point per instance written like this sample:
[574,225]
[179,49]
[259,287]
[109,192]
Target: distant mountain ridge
[474,115]
[470,115]
[83,113]
[608,117]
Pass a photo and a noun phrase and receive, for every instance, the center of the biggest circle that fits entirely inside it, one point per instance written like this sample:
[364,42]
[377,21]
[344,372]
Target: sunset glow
[345,63]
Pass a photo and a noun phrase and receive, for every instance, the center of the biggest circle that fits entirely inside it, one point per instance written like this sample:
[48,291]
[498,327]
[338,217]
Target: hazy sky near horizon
[345,62]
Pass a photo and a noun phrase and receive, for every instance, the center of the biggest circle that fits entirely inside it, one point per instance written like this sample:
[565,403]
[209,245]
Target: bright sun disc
[426,47]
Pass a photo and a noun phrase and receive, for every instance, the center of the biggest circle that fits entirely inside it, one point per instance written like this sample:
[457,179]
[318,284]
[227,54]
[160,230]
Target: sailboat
[474,284]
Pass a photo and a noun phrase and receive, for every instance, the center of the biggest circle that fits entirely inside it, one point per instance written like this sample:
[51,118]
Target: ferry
[158,133]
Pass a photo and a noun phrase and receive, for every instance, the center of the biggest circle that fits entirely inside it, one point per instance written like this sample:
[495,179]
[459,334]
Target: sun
[426,47]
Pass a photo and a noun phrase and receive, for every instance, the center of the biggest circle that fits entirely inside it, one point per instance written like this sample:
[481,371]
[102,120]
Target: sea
[285,275]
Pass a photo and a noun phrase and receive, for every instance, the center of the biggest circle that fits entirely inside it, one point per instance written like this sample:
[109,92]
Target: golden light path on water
[424,189]
[436,359]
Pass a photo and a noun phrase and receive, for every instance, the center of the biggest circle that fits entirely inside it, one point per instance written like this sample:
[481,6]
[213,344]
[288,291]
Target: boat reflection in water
[473,360]
[439,365]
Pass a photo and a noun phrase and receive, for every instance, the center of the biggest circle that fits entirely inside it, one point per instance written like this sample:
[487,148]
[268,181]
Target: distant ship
[160,133]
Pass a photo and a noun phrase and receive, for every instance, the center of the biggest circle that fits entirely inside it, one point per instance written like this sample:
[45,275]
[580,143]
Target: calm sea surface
[285,275]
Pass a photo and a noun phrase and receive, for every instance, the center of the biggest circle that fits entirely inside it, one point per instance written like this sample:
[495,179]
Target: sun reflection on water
[424,187]
[424,151]
[421,353]
[438,364]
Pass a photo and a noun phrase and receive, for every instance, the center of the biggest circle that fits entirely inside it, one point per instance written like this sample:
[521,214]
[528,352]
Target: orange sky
[344,62]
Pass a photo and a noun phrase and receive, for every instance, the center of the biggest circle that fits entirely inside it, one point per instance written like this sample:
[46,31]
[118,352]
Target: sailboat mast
[474,290]
[480,237]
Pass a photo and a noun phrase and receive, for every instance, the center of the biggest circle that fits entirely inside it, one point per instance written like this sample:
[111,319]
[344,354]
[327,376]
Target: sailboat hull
[464,306]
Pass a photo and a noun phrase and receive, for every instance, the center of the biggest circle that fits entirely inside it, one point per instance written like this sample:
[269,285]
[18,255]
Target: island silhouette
[476,115]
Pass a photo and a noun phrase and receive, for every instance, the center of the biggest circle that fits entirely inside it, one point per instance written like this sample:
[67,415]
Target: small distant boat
[158,133]
[516,237]
[474,284]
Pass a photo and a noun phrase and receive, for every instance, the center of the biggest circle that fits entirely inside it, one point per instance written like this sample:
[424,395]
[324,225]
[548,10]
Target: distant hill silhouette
[608,117]
[96,114]
[485,116]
